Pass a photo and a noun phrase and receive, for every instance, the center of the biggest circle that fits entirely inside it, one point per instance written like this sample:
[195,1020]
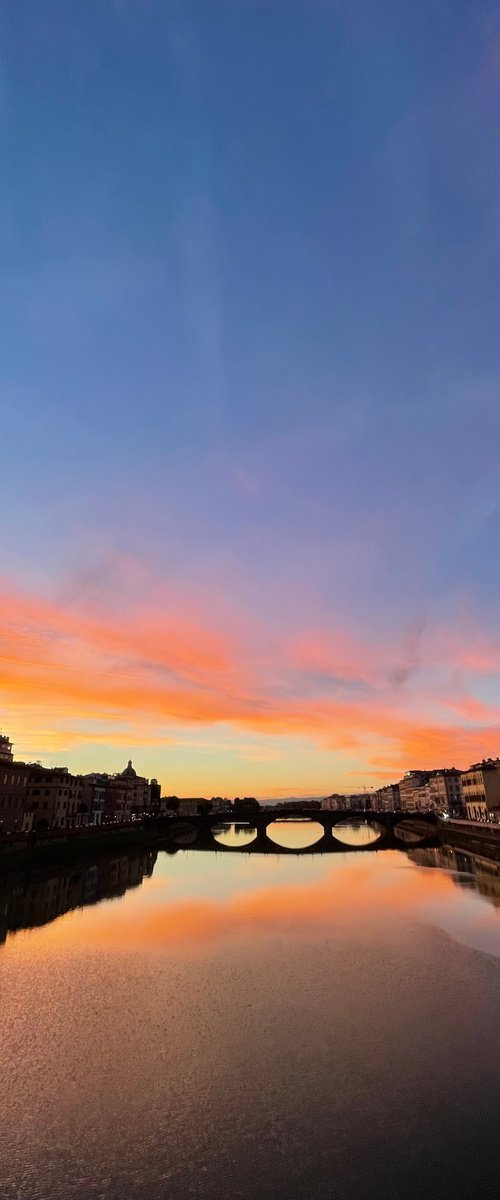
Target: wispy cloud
[93,664]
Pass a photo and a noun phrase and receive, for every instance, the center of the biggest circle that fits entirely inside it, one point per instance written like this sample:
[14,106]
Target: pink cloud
[163,663]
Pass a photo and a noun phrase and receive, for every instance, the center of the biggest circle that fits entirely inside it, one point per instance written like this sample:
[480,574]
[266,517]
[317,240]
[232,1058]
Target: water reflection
[295,835]
[185,835]
[235,834]
[251,1026]
[29,899]
[410,832]
[353,833]
[298,835]
[35,898]
[471,871]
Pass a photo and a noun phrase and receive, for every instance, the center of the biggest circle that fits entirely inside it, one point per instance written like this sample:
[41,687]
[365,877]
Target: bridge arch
[295,833]
[300,832]
[362,831]
[234,835]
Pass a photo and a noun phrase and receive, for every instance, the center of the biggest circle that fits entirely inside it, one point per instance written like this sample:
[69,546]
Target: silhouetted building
[193,806]
[54,800]
[6,754]
[13,795]
[299,805]
[94,787]
[155,795]
[246,804]
[220,805]
[127,794]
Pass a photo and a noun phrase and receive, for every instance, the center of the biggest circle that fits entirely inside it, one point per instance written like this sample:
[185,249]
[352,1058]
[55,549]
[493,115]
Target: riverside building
[6,754]
[128,794]
[34,798]
[54,800]
[414,791]
[445,791]
[387,799]
[481,790]
[14,778]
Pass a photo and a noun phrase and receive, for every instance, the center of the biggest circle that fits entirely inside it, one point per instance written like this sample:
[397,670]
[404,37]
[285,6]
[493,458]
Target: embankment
[476,837]
[59,847]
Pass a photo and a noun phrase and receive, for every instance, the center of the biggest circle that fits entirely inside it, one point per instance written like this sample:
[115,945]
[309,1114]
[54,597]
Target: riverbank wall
[61,847]
[476,837]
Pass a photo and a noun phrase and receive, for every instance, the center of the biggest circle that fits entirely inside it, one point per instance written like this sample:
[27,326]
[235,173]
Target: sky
[250,389]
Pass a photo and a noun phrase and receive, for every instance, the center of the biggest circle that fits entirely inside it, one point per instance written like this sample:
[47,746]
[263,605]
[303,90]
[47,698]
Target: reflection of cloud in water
[354,902]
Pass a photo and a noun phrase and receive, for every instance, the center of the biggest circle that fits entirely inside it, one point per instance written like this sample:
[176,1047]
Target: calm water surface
[238,1025]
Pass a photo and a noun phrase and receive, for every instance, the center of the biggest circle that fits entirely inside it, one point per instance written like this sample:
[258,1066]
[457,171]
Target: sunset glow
[250,396]
[249,583]
[196,698]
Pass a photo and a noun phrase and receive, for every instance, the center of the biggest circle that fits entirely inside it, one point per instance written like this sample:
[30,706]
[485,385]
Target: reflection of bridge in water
[259,834]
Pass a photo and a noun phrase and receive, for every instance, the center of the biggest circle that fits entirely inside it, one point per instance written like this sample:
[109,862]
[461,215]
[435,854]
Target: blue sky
[249,381]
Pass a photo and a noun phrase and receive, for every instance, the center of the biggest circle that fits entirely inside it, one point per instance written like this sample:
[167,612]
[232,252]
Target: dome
[129,772]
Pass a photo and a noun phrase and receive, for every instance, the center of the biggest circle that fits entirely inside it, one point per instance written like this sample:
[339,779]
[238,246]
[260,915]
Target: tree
[247,805]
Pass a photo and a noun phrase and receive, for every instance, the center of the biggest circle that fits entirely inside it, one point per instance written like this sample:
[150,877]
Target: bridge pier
[197,832]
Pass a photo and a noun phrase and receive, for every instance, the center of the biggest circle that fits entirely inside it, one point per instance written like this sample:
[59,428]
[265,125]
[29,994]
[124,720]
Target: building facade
[94,788]
[387,799]
[414,791]
[14,779]
[155,795]
[445,791]
[6,754]
[193,806]
[481,790]
[54,800]
[333,803]
[34,798]
[127,795]
[221,805]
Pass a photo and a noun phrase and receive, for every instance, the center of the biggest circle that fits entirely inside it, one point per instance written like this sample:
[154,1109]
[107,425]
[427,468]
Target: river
[222,1024]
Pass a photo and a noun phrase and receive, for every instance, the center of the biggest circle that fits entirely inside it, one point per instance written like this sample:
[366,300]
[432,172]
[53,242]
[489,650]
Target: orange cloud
[337,653]
[158,637]
[357,890]
[158,665]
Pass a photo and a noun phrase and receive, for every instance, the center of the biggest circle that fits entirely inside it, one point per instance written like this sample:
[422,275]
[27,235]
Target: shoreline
[64,847]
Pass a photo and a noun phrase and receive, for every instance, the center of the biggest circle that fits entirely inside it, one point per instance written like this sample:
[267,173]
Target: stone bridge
[395,831]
